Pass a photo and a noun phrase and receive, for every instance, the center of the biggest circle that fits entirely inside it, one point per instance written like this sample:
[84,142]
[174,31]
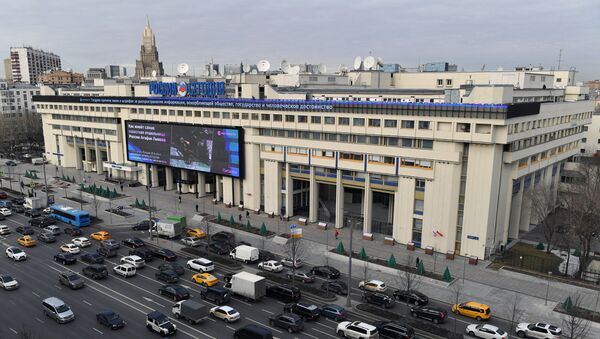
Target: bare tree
[515,312]
[295,249]
[408,280]
[575,327]
[543,209]
[455,295]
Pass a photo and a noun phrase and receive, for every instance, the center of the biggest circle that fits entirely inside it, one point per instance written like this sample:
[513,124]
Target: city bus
[70,215]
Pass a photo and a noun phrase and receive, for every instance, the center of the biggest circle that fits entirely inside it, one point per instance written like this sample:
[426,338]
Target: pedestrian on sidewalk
[240,217]
[121,187]
[280,217]
[247,215]
[417,262]
[196,208]
[180,199]
[337,233]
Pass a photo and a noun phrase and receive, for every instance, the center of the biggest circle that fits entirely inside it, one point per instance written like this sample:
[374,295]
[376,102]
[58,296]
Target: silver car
[57,310]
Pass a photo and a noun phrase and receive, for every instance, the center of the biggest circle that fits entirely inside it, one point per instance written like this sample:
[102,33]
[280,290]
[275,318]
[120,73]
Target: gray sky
[470,33]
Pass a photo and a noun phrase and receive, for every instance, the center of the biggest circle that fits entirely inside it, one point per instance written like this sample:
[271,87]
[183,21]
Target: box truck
[190,310]
[167,228]
[248,285]
[34,203]
[245,253]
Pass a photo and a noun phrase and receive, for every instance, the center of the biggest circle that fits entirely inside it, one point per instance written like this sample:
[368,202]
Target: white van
[125,270]
[38,161]
[4,230]
[247,254]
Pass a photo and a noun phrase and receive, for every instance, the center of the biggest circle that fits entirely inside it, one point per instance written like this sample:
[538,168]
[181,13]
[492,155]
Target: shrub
[540,246]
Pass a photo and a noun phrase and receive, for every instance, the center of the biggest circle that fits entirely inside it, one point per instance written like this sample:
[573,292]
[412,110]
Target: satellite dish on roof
[322,68]
[357,63]
[379,61]
[284,65]
[369,62]
[263,65]
[246,68]
[294,70]
[254,71]
[183,68]
[342,68]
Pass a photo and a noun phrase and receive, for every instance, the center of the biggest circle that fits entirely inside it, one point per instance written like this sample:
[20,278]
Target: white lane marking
[243,302]
[211,319]
[327,334]
[261,324]
[15,332]
[37,295]
[229,327]
[97,330]
[86,302]
[189,288]
[280,302]
[152,301]
[327,327]
[310,335]
[40,320]
[60,288]
[262,309]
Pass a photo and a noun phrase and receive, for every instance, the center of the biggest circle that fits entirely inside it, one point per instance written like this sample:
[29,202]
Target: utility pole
[45,180]
[348,298]
[81,192]
[149,185]
[9,177]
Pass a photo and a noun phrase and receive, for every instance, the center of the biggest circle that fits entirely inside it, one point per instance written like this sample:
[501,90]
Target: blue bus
[70,215]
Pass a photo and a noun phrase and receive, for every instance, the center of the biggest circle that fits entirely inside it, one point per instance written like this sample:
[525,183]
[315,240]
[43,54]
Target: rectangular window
[244,116]
[315,120]
[390,123]
[290,118]
[448,82]
[197,114]
[344,121]
[171,112]
[277,117]
[254,116]
[427,144]
[424,125]
[407,142]
[226,115]
[163,112]
[206,114]
[440,82]
[236,116]
[381,159]
[418,208]
[188,113]
[329,120]
[351,156]
[407,124]
[302,119]
[374,123]
[358,121]
[216,114]
[420,185]
[265,117]
[179,112]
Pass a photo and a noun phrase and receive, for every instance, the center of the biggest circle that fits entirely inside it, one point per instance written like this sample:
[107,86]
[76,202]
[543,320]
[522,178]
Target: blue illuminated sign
[209,89]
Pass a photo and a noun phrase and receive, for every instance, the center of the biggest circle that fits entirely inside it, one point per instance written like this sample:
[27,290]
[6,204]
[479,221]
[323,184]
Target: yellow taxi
[195,232]
[102,235]
[27,241]
[473,310]
[205,279]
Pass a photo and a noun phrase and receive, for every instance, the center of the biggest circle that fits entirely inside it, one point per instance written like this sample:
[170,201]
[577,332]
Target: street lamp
[547,288]
[351,223]
[45,180]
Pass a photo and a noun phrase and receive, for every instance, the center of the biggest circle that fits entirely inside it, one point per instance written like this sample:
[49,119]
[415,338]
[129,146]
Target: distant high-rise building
[148,61]
[27,64]
[7,70]
[114,71]
[96,73]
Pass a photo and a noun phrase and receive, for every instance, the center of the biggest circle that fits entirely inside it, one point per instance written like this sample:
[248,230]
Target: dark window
[358,121]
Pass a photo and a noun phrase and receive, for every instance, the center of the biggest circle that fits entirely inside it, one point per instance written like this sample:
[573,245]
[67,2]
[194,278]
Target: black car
[219,248]
[143,225]
[325,271]
[143,253]
[25,230]
[252,331]
[167,276]
[411,297]
[332,311]
[306,311]
[95,271]
[133,242]
[11,163]
[41,221]
[291,322]
[172,266]
[71,279]
[394,330]
[265,255]
[18,201]
[177,292]
[46,237]
[17,208]
[92,258]
[223,237]
[285,293]
[379,299]
[165,254]
[432,314]
[65,258]
[33,213]
[110,319]
[106,252]
[72,231]
[2,217]
[337,287]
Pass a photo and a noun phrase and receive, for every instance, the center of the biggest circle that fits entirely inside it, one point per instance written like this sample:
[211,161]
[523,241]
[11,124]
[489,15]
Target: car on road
[65,258]
[144,225]
[224,237]
[34,214]
[200,265]
[3,194]
[325,271]
[134,260]
[253,331]
[8,163]
[167,276]
[27,241]
[82,242]
[41,222]
[271,266]
[285,293]
[110,319]
[176,292]
[191,241]
[133,243]
[432,314]
[18,201]
[205,279]
[46,237]
[71,280]
[17,208]
[107,253]
[160,323]
[53,229]
[8,283]
[125,270]
[356,329]
[219,247]
[538,330]
[4,230]
[73,231]
[306,311]
[111,244]
[195,232]
[337,287]
[473,310]
[25,230]
[332,311]
[372,285]
[305,277]
[95,271]
[101,235]
[485,331]
[5,211]
[227,313]
[172,266]
[57,310]
[70,248]
[16,253]
[379,299]
[2,217]
[92,258]
[288,321]
[411,297]
[394,330]
[165,254]
[287,262]
[144,253]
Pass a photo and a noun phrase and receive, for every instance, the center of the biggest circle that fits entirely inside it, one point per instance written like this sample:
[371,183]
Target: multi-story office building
[7,70]
[115,71]
[27,63]
[449,168]
[17,109]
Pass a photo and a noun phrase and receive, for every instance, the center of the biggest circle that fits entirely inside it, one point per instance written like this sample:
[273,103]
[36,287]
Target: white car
[271,266]
[134,260]
[16,254]
[372,285]
[4,230]
[53,229]
[48,210]
[5,211]
[125,270]
[191,241]
[8,283]
[288,262]
[538,330]
[70,248]
[201,265]
[82,242]
[356,329]
[486,331]
[227,313]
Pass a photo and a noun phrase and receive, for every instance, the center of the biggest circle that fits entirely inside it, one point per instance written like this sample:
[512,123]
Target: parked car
[25,230]
[432,314]
[107,253]
[70,248]
[379,299]
[227,313]
[110,244]
[372,285]
[133,243]
[285,293]
[538,330]
[332,311]
[305,277]
[357,329]
[172,266]
[95,271]
[92,258]
[192,241]
[219,248]
[201,265]
[411,297]
[65,258]
[325,271]
[306,311]
[46,237]
[73,231]
[82,242]
[165,254]
[110,319]
[485,331]
[8,283]
[176,292]
[287,262]
[394,330]
[134,260]
[167,276]
[125,270]
[15,253]
[290,322]
[337,287]
[473,310]
[143,253]
[271,266]
[71,280]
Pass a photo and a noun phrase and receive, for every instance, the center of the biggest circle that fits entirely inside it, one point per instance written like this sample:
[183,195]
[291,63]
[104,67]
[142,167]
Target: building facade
[27,64]
[148,62]
[17,109]
[61,78]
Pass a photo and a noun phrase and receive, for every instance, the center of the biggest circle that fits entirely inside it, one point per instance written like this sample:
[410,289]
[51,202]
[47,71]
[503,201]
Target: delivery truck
[245,253]
[35,203]
[190,310]
[167,228]
[248,285]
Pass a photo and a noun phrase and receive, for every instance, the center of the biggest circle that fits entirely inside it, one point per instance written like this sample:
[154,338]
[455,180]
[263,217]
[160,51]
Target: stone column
[218,187]
[525,218]
[169,179]
[154,175]
[367,204]
[185,188]
[87,151]
[272,187]
[201,184]
[339,200]
[78,159]
[515,211]
[313,198]
[289,192]
[99,163]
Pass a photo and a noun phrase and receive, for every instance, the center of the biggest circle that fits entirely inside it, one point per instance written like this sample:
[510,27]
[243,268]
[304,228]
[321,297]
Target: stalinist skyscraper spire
[148,61]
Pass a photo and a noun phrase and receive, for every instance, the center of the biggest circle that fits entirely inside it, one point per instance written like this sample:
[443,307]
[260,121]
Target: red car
[3,195]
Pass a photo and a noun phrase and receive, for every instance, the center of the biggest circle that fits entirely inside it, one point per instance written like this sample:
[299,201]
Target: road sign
[292,226]
[58,154]
[295,231]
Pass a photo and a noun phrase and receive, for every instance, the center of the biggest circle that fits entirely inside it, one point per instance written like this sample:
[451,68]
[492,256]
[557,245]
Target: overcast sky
[470,33]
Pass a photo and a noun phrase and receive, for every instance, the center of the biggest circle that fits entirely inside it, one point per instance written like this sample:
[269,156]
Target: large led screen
[199,148]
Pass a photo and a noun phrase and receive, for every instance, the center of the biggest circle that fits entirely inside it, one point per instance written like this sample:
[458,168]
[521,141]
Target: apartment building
[27,64]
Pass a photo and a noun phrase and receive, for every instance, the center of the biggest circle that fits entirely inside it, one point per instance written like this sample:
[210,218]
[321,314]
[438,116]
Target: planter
[215,201]
[410,246]
[429,250]
[257,211]
[473,260]
[322,226]
[368,236]
[389,241]
[302,221]
[450,255]
[271,215]
[241,207]
[228,205]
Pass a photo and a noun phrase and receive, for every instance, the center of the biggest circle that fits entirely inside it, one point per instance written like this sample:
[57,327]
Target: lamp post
[45,180]
[465,267]
[351,223]
[547,288]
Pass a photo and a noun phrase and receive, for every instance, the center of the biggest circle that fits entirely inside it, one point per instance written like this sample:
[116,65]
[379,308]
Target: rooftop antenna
[147,20]
[483,68]
[559,59]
